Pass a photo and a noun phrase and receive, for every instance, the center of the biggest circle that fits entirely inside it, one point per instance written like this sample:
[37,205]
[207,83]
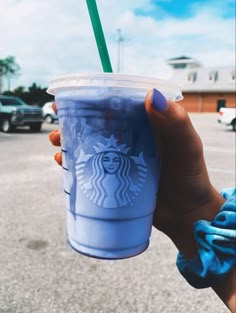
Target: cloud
[50,38]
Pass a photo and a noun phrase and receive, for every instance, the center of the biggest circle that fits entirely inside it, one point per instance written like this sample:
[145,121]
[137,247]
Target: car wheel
[6,126]
[234,125]
[49,119]
[36,127]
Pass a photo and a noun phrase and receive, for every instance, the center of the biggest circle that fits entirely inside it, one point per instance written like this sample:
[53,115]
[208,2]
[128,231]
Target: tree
[8,69]
[32,95]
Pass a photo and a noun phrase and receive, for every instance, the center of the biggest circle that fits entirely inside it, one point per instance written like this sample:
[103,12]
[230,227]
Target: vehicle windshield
[11,101]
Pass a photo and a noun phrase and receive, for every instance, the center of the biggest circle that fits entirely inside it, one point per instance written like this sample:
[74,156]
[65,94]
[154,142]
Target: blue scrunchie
[216,243]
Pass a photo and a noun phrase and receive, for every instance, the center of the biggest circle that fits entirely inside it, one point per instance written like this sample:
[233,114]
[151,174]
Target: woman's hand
[185,193]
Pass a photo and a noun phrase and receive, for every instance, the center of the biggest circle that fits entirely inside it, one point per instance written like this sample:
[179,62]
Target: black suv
[14,112]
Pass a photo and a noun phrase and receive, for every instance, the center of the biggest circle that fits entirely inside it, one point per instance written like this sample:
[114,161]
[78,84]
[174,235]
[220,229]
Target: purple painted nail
[158,101]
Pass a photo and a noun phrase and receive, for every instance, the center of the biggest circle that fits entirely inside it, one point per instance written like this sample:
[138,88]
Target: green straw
[99,36]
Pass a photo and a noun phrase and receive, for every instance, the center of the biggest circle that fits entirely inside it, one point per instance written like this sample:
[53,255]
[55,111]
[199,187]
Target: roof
[189,62]
[205,79]
[180,58]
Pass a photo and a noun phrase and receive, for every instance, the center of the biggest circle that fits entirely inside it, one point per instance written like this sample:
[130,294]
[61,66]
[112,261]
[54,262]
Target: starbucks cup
[110,166]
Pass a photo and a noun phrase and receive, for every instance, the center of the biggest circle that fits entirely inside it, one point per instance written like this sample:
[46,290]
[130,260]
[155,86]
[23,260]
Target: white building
[205,89]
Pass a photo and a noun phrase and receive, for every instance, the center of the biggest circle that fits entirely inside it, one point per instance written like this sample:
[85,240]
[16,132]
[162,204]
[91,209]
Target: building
[204,89]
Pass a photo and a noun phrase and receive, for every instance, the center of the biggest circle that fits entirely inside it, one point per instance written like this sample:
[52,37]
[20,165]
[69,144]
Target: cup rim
[139,82]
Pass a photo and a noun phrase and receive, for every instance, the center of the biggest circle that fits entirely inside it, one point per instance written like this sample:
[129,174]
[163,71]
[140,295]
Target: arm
[226,290]
[184,176]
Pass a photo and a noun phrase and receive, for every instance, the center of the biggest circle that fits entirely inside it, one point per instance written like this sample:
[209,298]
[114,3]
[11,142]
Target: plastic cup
[110,166]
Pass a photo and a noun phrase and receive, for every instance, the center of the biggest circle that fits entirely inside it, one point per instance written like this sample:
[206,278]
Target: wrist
[180,229]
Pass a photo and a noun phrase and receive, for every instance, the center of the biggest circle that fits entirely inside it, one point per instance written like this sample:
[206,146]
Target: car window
[11,101]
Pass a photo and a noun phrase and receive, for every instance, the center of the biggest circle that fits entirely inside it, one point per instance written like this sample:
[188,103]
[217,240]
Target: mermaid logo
[111,178]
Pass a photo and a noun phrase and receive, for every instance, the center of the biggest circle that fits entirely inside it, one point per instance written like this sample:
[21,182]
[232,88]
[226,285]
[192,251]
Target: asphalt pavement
[39,273]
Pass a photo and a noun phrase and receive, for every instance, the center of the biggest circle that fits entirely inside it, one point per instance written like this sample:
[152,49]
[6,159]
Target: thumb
[173,130]
[165,116]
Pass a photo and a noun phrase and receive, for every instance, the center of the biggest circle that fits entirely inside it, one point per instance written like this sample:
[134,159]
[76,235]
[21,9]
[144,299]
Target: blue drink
[111,170]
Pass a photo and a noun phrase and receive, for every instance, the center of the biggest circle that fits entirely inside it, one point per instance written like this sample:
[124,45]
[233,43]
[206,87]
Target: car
[14,113]
[227,116]
[49,115]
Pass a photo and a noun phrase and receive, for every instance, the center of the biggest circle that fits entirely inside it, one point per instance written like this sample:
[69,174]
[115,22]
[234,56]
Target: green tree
[8,68]
[32,95]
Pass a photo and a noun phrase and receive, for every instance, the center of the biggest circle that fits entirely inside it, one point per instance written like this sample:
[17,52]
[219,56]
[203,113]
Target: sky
[54,38]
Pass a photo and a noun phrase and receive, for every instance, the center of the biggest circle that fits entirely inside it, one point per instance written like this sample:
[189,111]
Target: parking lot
[40,273]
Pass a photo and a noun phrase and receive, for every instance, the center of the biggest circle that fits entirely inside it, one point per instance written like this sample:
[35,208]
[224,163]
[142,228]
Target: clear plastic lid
[170,91]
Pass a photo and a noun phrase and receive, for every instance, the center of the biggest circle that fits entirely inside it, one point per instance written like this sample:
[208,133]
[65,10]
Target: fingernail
[158,101]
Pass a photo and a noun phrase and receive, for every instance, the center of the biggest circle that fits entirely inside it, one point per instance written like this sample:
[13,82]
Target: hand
[185,192]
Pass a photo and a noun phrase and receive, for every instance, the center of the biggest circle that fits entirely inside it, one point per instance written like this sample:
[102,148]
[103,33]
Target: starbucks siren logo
[111,183]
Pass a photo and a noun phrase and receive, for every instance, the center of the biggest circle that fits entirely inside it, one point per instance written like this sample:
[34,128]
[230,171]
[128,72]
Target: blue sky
[186,9]
[51,38]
